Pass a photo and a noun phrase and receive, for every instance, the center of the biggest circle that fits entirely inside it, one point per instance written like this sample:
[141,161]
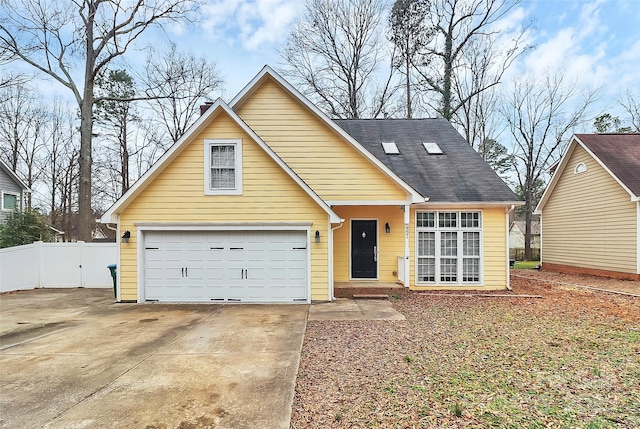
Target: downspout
[331,282]
[117,230]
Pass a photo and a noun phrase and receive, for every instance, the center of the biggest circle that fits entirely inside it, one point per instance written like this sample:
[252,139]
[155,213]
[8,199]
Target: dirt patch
[581,280]
[569,359]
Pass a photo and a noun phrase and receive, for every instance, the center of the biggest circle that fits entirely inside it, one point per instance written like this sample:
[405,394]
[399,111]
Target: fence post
[80,261]
[37,253]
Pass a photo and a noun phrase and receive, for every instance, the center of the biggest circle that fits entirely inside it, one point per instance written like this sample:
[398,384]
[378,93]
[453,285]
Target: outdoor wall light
[387,228]
[126,236]
[317,236]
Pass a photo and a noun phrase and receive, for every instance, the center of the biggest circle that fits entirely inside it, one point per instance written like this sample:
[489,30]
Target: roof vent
[390,148]
[433,148]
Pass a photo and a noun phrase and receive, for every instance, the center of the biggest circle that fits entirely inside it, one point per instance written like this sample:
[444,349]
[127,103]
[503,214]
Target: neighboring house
[266,199]
[12,191]
[516,239]
[591,209]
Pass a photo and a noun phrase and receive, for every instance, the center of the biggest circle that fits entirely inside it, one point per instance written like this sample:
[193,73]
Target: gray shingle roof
[459,175]
[620,153]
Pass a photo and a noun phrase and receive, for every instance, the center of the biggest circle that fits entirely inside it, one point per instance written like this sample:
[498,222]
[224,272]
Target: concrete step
[370,296]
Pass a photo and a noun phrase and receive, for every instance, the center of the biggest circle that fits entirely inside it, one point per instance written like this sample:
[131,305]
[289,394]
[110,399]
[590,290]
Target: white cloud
[578,49]
[252,24]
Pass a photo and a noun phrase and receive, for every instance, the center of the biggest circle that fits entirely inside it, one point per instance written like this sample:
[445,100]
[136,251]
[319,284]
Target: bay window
[448,249]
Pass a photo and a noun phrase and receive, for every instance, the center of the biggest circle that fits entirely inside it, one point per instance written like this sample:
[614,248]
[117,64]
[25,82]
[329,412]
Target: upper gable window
[223,167]
[581,167]
[390,148]
[433,148]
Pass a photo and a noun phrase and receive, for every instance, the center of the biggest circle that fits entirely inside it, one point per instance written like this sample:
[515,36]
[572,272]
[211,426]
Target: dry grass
[569,360]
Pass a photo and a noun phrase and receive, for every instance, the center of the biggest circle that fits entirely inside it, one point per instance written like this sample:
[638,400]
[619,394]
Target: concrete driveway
[71,358]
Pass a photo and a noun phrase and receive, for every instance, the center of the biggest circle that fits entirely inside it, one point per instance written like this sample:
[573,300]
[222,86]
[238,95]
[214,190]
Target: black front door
[364,242]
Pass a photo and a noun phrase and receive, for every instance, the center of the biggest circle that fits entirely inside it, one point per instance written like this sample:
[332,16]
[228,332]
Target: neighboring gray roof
[459,175]
[620,153]
[13,176]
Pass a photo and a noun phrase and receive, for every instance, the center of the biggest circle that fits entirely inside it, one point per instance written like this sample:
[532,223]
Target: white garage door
[219,266]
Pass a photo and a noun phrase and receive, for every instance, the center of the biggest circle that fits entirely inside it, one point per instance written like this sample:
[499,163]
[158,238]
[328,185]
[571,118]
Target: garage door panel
[205,266]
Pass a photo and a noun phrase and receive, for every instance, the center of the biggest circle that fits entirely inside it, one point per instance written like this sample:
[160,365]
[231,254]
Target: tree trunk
[408,83]
[527,221]
[125,157]
[85,213]
[448,71]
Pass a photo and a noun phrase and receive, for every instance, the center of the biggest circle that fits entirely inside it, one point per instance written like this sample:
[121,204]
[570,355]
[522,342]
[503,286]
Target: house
[266,199]
[591,208]
[12,191]
[516,239]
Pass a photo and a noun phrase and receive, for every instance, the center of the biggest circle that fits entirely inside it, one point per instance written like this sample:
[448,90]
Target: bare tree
[60,171]
[22,121]
[466,56]
[177,84]
[65,39]
[631,104]
[410,33]
[540,116]
[115,114]
[333,54]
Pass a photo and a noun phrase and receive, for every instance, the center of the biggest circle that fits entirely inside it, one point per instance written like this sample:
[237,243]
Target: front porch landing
[367,289]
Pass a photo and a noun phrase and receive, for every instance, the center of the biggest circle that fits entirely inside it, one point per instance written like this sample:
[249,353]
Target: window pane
[223,156]
[449,243]
[426,269]
[470,220]
[9,202]
[447,219]
[448,269]
[223,172]
[471,270]
[426,219]
[471,243]
[223,178]
[426,243]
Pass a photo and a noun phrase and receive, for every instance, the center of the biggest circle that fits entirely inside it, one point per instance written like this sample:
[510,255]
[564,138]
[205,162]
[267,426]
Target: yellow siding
[390,246]
[269,195]
[494,250]
[589,220]
[327,163]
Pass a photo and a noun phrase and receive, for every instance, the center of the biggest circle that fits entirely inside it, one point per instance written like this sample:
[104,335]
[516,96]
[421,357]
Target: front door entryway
[364,249]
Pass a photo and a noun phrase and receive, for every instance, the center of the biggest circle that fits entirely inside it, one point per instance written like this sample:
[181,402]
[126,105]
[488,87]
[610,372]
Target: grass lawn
[568,360]
[526,265]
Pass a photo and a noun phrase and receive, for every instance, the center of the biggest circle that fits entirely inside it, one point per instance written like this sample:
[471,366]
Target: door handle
[186,272]
[375,253]
[182,271]
[246,274]
[242,273]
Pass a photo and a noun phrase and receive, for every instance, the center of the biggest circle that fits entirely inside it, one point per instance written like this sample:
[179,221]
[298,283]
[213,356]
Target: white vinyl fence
[56,265]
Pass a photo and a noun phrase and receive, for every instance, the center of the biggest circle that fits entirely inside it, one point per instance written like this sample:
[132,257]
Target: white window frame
[208,143]
[581,167]
[460,257]
[18,202]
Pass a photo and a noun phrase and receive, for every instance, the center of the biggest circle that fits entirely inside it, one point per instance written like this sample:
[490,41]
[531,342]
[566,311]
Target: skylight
[433,148]
[390,148]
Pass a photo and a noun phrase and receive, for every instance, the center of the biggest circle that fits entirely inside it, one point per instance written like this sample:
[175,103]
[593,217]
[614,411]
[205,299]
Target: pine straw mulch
[568,360]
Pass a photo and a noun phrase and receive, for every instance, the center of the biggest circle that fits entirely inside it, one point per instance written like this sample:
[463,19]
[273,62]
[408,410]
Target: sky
[595,43]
